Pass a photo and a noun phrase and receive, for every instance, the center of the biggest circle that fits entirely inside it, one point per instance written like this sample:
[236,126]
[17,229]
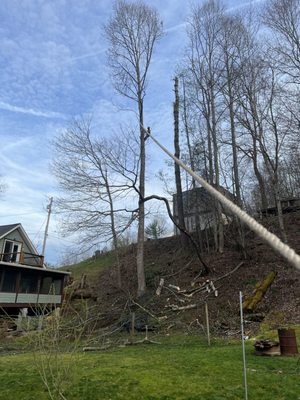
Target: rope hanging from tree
[283,249]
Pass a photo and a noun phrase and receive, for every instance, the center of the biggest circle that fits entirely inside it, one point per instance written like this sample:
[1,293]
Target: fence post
[243,346]
[207,324]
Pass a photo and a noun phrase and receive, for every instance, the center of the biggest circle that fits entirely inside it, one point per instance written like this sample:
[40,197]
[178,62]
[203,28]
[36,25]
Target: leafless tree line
[240,91]
[236,107]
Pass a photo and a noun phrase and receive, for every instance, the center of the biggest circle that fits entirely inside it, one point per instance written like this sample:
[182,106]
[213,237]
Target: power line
[39,231]
[61,238]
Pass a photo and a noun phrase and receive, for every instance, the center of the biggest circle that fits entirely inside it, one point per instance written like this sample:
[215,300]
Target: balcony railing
[23,258]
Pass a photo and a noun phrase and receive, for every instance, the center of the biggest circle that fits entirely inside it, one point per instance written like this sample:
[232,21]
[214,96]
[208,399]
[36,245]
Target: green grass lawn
[178,368]
[91,266]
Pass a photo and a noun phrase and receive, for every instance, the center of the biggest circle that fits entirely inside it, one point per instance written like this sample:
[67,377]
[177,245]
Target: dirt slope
[164,258]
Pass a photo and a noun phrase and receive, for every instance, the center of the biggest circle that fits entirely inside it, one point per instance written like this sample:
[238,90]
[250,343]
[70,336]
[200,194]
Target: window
[9,281]
[12,251]
[46,285]
[29,283]
[57,286]
[51,285]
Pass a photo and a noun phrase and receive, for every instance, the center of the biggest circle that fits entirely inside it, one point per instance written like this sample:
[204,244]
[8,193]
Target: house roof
[5,229]
[29,267]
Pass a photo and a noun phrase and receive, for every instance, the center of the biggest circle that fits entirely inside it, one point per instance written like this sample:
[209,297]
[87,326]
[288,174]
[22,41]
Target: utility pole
[49,208]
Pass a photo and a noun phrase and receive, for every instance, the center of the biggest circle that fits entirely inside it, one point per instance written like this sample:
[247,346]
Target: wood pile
[267,347]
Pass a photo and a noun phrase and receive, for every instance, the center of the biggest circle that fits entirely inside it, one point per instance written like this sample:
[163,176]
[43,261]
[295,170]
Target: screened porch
[25,286]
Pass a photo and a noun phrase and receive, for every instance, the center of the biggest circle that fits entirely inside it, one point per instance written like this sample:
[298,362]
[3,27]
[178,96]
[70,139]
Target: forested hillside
[180,303]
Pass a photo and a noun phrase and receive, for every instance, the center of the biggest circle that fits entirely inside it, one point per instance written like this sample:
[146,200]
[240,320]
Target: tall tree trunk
[280,214]
[179,200]
[236,177]
[234,151]
[141,227]
[133,32]
[259,177]
[210,152]
[257,134]
[219,222]
[210,157]
[192,163]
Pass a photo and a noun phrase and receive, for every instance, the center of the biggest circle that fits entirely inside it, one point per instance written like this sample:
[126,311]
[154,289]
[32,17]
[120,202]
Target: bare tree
[132,33]
[179,199]
[93,192]
[204,31]
[289,175]
[195,147]
[265,121]
[283,18]
[251,110]
[233,40]
[232,43]
[273,139]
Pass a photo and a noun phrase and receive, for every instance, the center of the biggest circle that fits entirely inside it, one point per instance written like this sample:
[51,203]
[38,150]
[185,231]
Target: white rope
[288,253]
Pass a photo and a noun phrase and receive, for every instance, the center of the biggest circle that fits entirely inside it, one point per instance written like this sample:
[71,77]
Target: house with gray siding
[199,209]
[25,282]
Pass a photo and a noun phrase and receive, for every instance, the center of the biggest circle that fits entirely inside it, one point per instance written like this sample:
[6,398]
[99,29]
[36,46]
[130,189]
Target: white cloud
[52,60]
[30,111]
[84,56]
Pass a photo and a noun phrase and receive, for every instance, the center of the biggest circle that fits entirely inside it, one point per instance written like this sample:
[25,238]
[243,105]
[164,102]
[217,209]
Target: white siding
[49,299]
[28,298]
[7,297]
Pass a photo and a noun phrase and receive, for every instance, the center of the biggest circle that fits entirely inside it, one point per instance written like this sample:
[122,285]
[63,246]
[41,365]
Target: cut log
[95,348]
[174,287]
[160,286]
[143,341]
[260,289]
[175,307]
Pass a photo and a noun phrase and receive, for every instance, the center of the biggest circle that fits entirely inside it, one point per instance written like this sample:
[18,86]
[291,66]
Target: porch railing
[23,258]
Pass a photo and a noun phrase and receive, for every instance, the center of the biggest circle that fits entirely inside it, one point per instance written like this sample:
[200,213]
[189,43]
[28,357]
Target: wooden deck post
[207,324]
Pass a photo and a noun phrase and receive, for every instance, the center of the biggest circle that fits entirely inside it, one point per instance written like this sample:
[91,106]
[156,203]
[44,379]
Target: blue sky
[53,68]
